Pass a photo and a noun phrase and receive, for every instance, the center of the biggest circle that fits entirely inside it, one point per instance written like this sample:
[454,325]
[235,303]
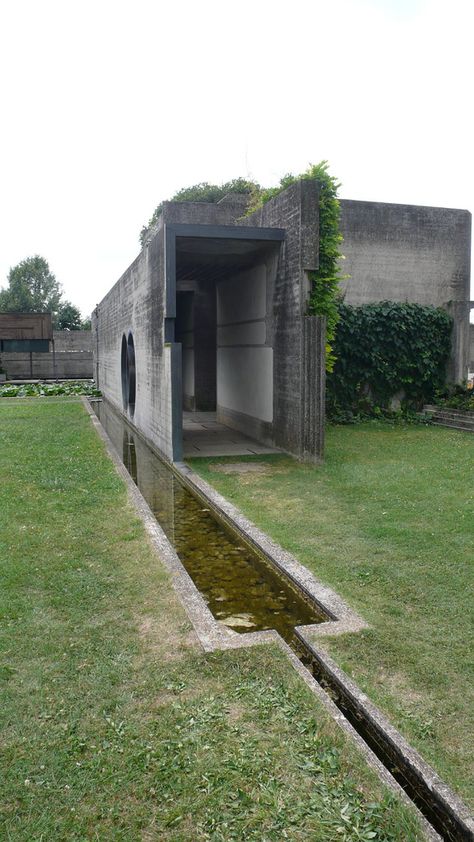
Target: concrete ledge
[341,618]
[402,755]
[382,772]
[254,428]
[455,419]
[212,635]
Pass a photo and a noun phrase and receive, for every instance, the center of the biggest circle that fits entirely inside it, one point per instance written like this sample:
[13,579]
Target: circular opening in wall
[124,371]
[127,370]
[131,373]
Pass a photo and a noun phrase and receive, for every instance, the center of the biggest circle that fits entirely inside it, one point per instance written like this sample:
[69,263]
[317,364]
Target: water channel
[245,593]
[240,588]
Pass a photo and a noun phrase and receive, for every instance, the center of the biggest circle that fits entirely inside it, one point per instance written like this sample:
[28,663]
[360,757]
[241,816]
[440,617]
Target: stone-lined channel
[245,593]
[241,589]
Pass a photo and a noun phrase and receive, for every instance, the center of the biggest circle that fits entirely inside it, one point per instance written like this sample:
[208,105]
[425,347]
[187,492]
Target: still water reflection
[240,588]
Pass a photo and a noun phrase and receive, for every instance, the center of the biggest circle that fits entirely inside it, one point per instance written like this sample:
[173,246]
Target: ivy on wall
[387,349]
[324,280]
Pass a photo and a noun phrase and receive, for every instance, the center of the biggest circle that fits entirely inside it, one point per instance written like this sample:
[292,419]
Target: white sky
[109,107]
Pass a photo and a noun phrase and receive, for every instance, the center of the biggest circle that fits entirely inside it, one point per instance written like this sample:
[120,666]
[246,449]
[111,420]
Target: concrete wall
[471,348]
[264,380]
[204,340]
[66,365]
[410,253]
[72,359]
[72,340]
[295,397]
[196,331]
[136,304]
[158,483]
[185,335]
[244,352]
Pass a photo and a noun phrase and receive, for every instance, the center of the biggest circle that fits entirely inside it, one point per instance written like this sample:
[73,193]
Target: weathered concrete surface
[314,388]
[26,326]
[471,348]
[72,340]
[71,359]
[231,336]
[136,305]
[411,253]
[219,329]
[449,810]
[203,435]
[64,365]
[297,211]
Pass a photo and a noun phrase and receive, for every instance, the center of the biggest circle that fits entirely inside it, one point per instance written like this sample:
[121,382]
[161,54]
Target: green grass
[388,522]
[115,725]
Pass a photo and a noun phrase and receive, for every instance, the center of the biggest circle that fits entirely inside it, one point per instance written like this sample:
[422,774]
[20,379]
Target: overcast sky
[109,107]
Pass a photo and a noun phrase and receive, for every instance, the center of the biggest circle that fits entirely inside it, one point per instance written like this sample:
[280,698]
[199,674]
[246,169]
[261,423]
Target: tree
[32,288]
[68,317]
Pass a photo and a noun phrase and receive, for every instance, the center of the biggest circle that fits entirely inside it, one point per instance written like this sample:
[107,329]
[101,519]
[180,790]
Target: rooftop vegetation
[325,279]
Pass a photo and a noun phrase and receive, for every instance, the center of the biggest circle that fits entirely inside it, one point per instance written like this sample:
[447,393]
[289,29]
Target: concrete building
[211,316]
[31,350]
[411,253]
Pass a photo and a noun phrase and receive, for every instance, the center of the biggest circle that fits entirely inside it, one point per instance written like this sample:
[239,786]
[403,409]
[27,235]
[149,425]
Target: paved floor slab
[203,435]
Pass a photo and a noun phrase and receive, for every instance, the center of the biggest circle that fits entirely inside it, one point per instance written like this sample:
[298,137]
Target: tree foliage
[33,288]
[384,349]
[68,317]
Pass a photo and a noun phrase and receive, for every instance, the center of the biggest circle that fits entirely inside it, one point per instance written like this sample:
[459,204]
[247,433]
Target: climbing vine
[385,349]
[324,295]
[324,280]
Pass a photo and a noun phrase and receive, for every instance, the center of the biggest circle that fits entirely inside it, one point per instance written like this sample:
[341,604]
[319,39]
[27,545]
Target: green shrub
[384,350]
[46,390]
[456,396]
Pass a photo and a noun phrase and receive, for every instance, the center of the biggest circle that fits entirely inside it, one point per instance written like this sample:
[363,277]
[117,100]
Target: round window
[124,372]
[127,369]
[131,373]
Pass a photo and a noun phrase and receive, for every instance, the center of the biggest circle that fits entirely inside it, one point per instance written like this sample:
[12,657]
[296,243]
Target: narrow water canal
[240,588]
[244,592]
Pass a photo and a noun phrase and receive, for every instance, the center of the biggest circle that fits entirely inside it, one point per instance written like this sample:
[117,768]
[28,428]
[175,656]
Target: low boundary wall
[62,365]
[71,359]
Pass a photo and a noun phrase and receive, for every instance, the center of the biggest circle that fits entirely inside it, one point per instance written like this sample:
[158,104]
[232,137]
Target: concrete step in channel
[456,419]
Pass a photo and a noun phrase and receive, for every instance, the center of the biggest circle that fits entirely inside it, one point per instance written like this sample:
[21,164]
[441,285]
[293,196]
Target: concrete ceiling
[211,258]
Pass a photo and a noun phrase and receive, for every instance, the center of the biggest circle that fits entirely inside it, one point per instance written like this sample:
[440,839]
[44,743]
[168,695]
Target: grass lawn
[114,724]
[388,522]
